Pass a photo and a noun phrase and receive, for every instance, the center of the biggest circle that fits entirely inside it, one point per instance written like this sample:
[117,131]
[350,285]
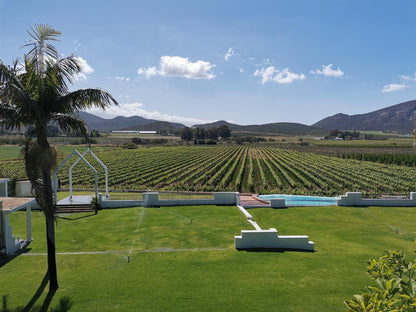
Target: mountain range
[126,123]
[397,118]
[140,123]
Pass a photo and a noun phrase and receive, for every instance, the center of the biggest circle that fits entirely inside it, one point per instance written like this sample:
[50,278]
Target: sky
[246,62]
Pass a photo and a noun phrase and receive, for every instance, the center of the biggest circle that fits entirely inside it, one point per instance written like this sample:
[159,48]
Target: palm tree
[33,94]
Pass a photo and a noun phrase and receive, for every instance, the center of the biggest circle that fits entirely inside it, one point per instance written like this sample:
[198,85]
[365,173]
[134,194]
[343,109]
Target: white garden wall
[269,239]
[355,199]
[23,189]
[151,199]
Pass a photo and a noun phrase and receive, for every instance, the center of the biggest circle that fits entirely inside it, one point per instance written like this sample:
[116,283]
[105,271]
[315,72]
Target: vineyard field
[254,169]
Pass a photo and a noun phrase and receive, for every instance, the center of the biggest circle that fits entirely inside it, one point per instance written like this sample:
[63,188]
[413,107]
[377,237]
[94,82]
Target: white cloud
[86,69]
[148,72]
[136,109]
[393,87]
[127,79]
[276,75]
[177,66]
[408,78]
[229,54]
[327,70]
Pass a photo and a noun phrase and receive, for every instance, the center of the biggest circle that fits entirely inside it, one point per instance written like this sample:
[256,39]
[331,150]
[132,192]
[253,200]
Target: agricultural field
[256,169]
[155,259]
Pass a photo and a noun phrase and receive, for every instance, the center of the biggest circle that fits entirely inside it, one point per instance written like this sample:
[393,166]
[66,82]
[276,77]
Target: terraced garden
[258,169]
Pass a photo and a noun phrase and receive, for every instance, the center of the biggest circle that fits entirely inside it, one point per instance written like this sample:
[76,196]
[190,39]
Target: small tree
[186,134]
[224,132]
[200,133]
[212,133]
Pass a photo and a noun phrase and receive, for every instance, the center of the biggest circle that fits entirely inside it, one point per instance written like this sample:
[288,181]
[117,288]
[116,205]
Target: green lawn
[176,265]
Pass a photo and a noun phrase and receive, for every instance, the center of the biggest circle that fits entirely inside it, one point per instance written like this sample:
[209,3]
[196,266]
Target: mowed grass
[179,265]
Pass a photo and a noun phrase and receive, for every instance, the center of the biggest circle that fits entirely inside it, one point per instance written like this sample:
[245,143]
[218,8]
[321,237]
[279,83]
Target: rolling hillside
[397,118]
[286,128]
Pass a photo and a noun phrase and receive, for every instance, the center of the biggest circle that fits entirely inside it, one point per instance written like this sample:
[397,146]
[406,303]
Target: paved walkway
[252,200]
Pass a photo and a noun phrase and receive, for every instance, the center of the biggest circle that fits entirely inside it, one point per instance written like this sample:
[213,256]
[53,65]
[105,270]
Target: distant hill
[140,123]
[117,123]
[397,118]
[157,125]
[126,123]
[287,128]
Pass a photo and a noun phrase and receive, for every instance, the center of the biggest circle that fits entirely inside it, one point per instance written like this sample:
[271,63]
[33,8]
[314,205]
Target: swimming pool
[300,200]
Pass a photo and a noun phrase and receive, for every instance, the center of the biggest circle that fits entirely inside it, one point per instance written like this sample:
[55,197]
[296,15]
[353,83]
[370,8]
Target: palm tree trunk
[50,240]
[49,209]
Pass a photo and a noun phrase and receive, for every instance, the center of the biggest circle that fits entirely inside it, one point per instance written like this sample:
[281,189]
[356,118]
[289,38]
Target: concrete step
[74,208]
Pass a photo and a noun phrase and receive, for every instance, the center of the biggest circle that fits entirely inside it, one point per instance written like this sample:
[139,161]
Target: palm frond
[43,32]
[10,118]
[69,124]
[18,93]
[42,51]
[60,72]
[85,98]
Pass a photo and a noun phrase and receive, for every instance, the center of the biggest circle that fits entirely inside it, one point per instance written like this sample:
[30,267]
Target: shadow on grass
[4,259]
[278,250]
[65,303]
[77,218]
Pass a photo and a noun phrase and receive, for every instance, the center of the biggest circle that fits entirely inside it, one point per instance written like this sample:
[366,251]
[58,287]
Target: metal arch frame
[99,161]
[55,179]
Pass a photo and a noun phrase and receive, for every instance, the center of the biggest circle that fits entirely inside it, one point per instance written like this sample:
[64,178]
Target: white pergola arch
[80,157]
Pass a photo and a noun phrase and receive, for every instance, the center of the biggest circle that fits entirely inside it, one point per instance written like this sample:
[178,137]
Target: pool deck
[76,200]
[252,200]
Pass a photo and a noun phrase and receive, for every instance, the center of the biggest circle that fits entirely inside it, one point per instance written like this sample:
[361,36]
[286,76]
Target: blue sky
[247,62]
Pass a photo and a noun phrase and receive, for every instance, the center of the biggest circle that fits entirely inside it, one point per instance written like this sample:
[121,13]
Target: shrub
[130,145]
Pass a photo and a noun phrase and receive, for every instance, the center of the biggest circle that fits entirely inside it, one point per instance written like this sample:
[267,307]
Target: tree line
[201,135]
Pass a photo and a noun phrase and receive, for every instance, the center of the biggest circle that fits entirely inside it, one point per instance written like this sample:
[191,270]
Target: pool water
[300,200]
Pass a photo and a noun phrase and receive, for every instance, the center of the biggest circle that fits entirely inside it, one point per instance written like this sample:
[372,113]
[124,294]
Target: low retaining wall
[23,189]
[3,187]
[151,199]
[269,239]
[104,204]
[355,199]
[278,203]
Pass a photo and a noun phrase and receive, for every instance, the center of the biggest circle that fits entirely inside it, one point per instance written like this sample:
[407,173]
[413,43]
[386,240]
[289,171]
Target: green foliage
[12,186]
[186,134]
[408,159]
[224,132]
[130,145]
[394,286]
[343,134]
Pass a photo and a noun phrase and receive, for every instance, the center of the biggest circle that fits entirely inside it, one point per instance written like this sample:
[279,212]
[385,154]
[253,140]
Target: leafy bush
[130,145]
[159,141]
[11,190]
[394,289]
